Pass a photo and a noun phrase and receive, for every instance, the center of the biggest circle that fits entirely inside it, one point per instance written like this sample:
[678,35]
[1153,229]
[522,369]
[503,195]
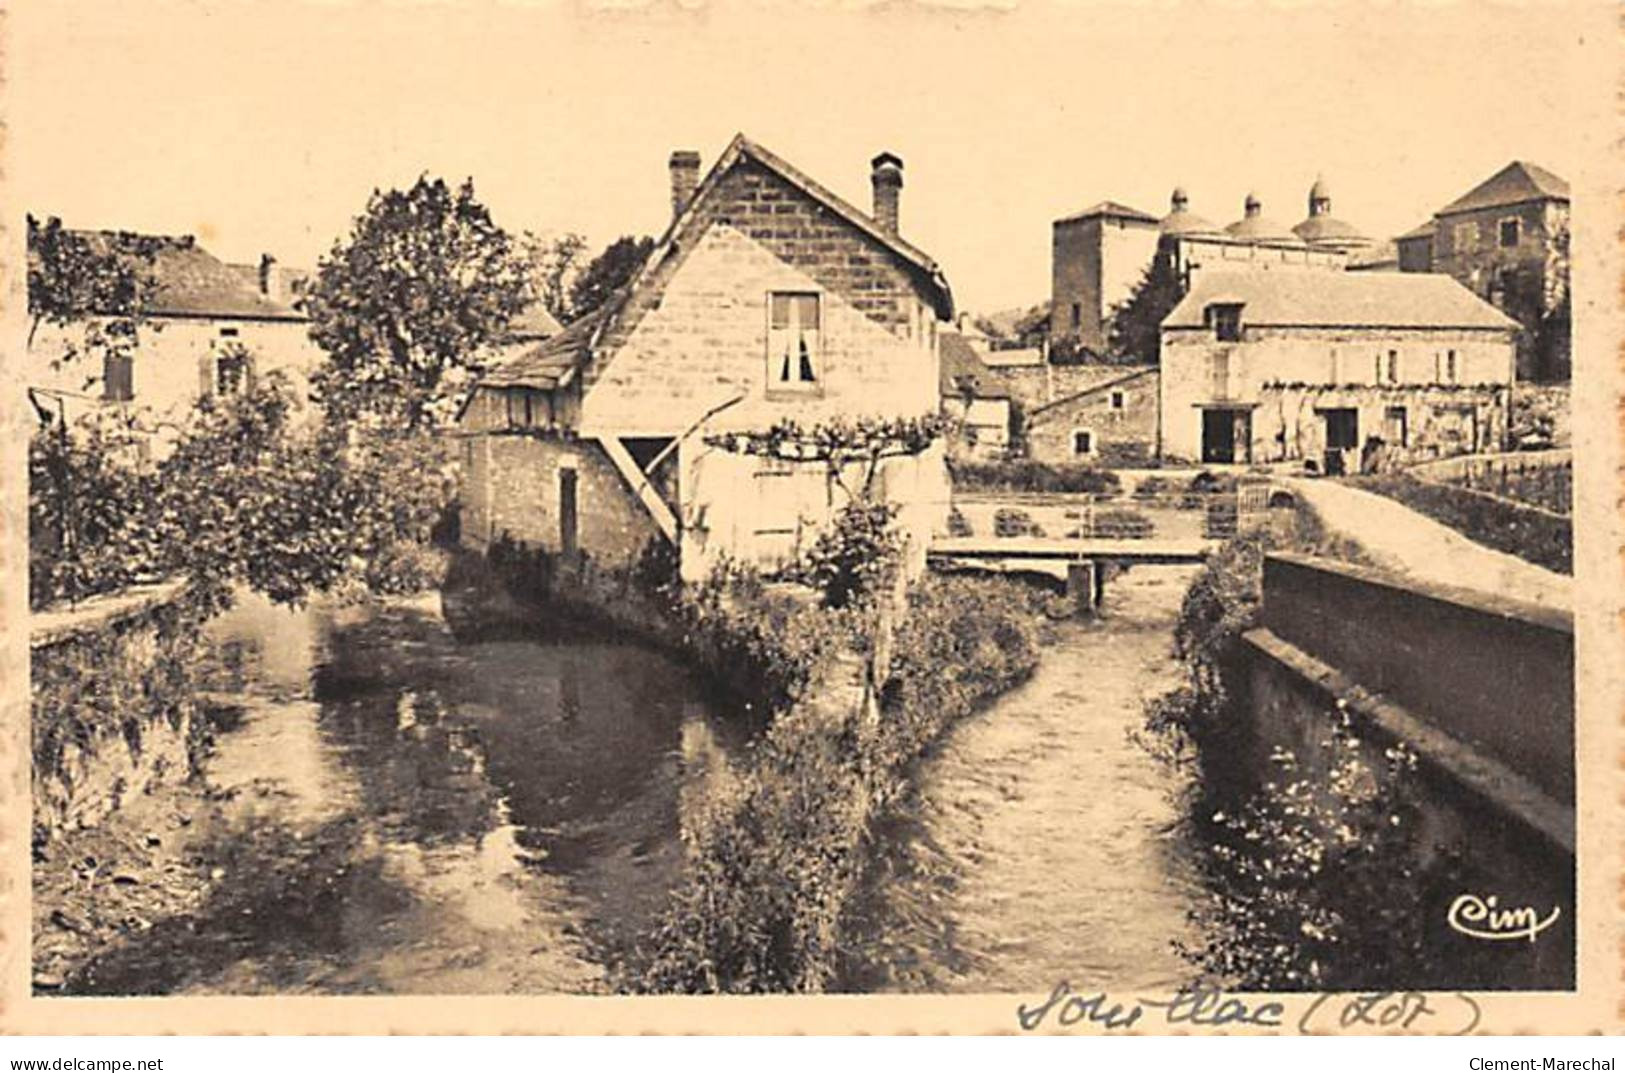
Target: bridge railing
[1175,516]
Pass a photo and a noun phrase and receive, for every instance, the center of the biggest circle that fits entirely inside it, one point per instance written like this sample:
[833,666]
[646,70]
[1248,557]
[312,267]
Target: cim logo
[1480,918]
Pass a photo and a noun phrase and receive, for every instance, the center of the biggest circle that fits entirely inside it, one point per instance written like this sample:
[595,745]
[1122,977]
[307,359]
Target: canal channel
[400,809]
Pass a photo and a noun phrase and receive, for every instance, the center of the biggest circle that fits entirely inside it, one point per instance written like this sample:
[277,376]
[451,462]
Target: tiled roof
[1379,255]
[962,369]
[534,322]
[1325,228]
[1114,209]
[1514,184]
[1013,357]
[192,282]
[546,364]
[1339,299]
[1422,230]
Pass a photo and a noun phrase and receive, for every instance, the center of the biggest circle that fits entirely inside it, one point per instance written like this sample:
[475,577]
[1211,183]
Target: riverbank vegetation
[1316,866]
[851,688]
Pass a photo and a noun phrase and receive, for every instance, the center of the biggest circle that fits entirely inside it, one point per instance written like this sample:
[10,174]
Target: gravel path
[1403,540]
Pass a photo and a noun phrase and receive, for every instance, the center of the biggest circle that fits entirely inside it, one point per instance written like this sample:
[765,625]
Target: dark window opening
[1083,442]
[1509,233]
[118,378]
[1225,321]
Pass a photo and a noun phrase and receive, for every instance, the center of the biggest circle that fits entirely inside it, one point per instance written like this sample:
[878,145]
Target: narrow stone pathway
[1402,540]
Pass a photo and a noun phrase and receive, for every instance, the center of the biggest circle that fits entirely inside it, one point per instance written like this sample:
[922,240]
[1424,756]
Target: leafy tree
[404,305]
[554,267]
[608,273]
[1136,325]
[247,496]
[97,287]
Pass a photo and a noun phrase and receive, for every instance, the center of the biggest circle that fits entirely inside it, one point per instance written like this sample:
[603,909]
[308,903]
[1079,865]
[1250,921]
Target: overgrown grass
[1535,536]
[776,855]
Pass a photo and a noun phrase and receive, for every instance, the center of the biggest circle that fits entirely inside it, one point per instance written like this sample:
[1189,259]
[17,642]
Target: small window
[793,342]
[232,372]
[1395,426]
[1117,400]
[118,377]
[1447,367]
[228,333]
[1077,314]
[1083,442]
[1226,322]
[1393,367]
[1509,233]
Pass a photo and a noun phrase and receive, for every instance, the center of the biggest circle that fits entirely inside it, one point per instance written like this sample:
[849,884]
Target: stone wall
[511,488]
[1491,672]
[1123,435]
[1480,691]
[112,710]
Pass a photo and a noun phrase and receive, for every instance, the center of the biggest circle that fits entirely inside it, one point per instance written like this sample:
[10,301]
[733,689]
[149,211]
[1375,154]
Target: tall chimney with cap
[685,179]
[887,176]
[268,278]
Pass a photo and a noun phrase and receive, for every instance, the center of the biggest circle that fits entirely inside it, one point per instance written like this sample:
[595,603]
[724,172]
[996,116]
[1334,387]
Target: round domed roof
[1256,227]
[1323,230]
[1181,221]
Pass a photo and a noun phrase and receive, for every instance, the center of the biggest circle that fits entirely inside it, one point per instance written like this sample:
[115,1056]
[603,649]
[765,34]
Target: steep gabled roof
[1514,184]
[1339,300]
[545,365]
[1113,209]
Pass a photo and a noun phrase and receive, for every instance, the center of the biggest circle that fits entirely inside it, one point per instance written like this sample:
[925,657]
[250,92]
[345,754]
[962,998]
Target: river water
[1044,844]
[404,811]
[395,809]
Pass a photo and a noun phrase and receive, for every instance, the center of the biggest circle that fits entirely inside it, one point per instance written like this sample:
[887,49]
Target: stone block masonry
[113,712]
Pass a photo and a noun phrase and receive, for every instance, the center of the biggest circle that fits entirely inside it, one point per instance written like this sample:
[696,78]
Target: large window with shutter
[794,331]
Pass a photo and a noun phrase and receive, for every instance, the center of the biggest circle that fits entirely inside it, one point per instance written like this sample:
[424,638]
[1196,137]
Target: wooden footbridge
[1079,563]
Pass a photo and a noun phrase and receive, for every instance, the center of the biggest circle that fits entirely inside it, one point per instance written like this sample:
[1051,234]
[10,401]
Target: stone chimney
[887,176]
[685,179]
[270,286]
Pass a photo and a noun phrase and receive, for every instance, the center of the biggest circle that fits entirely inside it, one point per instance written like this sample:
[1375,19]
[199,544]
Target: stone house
[974,398]
[1506,239]
[207,328]
[1270,367]
[768,299]
[1110,423]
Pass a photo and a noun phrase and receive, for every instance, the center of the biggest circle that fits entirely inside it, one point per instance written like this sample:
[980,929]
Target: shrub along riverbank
[776,852]
[1318,869]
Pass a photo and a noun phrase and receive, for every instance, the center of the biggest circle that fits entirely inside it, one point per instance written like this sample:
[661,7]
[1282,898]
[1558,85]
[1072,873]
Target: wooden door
[569,539]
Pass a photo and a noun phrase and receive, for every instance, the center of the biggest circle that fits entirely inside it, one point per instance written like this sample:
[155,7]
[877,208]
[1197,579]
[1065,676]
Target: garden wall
[112,706]
[1489,671]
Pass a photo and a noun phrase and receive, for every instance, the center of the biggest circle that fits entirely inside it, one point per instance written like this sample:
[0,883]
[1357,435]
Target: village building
[206,328]
[974,399]
[1112,422]
[1337,371]
[1100,255]
[769,299]
[1506,239]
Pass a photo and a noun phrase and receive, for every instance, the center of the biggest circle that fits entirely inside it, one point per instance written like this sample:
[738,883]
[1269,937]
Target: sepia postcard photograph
[1029,518]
